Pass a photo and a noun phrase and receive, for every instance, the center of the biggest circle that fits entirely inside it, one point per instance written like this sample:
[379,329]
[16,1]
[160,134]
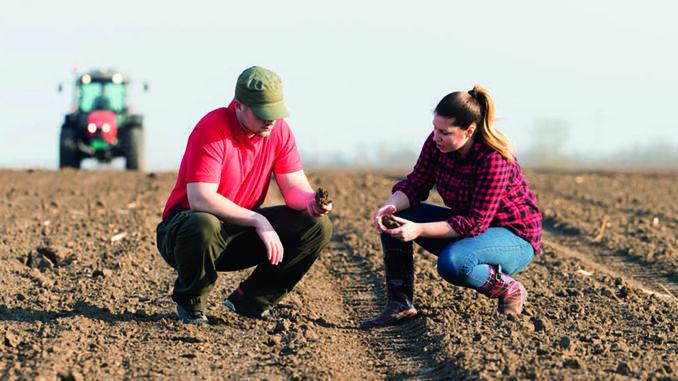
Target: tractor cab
[101,123]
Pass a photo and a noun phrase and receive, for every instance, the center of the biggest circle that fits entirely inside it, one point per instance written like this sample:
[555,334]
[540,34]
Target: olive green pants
[198,245]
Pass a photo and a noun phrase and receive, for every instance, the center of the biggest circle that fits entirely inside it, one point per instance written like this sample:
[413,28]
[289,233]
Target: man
[213,221]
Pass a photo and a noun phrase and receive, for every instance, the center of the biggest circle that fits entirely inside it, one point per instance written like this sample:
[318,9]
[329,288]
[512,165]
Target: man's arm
[203,197]
[298,194]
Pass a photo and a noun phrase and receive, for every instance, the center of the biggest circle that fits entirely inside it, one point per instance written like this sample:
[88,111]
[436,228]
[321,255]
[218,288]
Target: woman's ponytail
[490,135]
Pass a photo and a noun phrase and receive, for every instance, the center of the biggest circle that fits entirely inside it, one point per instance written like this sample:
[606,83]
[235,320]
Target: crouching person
[213,221]
[490,227]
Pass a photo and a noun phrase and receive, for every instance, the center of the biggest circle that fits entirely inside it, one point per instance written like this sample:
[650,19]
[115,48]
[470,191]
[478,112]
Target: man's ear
[237,104]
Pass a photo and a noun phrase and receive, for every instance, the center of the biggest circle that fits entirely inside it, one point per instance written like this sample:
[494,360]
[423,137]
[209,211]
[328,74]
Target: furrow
[613,263]
[394,349]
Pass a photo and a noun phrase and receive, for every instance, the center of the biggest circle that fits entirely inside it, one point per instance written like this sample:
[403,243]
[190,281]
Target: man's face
[251,123]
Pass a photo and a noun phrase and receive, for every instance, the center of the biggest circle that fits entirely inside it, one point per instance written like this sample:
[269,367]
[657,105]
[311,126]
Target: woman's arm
[409,230]
[493,175]
[397,201]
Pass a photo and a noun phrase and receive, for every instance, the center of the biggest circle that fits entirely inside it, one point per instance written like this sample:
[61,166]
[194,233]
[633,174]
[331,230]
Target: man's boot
[399,269]
[510,293]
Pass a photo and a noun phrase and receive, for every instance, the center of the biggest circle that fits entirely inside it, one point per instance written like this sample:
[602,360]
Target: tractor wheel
[68,149]
[133,147]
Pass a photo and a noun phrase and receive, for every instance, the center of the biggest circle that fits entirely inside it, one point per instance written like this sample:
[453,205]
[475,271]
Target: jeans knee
[453,268]
[201,227]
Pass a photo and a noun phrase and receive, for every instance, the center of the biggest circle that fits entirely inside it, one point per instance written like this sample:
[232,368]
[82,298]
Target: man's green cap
[261,90]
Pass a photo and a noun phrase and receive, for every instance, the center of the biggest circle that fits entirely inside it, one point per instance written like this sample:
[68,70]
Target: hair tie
[473,93]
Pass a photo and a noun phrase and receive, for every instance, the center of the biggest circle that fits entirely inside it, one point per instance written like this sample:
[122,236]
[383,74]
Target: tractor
[101,124]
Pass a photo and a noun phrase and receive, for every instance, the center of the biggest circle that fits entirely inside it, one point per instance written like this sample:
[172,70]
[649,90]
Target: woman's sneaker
[395,313]
[191,316]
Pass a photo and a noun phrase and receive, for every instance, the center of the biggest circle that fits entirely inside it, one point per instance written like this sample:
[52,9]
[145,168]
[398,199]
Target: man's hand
[408,230]
[315,210]
[268,235]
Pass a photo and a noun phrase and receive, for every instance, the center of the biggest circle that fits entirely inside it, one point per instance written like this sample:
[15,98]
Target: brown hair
[476,106]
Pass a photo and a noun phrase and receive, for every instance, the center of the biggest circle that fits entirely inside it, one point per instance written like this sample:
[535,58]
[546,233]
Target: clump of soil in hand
[322,197]
[389,222]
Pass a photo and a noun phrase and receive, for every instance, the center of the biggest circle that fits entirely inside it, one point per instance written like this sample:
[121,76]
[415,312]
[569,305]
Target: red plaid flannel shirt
[483,189]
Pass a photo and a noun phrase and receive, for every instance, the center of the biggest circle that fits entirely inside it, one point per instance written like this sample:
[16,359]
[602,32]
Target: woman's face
[450,138]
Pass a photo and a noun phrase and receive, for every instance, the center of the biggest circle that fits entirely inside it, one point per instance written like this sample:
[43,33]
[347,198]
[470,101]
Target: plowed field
[85,295]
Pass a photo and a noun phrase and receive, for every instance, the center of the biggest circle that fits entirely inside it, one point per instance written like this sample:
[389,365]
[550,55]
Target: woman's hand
[384,210]
[408,230]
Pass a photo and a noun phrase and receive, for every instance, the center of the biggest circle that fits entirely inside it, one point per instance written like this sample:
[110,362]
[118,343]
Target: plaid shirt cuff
[464,227]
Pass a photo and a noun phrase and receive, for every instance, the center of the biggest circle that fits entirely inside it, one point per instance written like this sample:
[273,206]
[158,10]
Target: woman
[491,227]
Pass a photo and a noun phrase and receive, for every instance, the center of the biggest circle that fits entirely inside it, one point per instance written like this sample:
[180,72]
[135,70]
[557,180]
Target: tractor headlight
[86,79]
[106,128]
[91,128]
[117,78]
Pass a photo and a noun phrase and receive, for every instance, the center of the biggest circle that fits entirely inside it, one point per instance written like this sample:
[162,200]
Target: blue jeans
[465,262]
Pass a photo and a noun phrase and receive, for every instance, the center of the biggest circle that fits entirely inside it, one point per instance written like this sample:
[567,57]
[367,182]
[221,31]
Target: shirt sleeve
[204,155]
[287,158]
[418,184]
[492,180]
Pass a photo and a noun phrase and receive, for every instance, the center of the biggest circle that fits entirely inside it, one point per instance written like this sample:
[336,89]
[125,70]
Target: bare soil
[85,294]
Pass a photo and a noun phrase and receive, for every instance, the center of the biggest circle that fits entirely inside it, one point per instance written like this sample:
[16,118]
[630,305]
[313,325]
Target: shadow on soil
[79,309]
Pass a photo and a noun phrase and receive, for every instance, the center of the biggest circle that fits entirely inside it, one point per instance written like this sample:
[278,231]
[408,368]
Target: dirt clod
[104,273]
[12,340]
[543,324]
[572,364]
[322,197]
[388,221]
[625,368]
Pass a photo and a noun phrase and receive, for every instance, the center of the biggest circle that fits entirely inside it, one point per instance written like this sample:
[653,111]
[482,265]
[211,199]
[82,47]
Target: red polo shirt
[219,152]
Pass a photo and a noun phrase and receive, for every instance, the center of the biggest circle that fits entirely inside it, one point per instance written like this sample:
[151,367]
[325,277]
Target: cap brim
[273,111]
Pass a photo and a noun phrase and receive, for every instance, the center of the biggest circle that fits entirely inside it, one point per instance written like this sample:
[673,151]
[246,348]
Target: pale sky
[359,77]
